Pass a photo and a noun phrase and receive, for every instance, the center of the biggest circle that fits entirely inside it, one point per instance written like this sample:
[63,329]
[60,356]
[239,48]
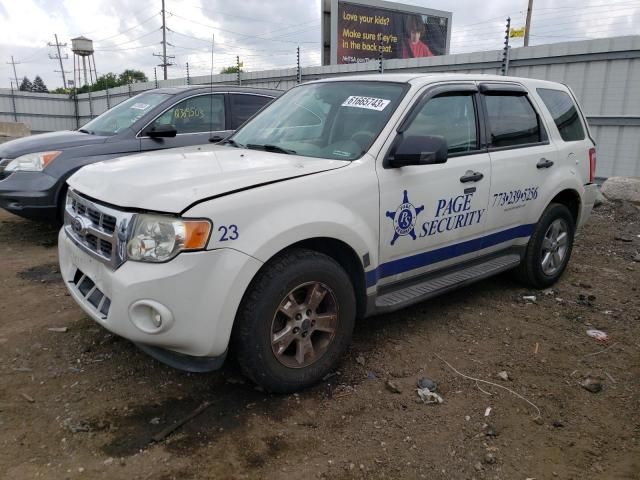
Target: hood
[172,180]
[48,141]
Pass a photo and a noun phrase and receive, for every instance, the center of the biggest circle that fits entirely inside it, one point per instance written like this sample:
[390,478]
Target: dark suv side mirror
[418,150]
[161,131]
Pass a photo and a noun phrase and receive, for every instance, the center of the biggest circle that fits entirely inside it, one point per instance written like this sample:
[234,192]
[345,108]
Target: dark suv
[34,170]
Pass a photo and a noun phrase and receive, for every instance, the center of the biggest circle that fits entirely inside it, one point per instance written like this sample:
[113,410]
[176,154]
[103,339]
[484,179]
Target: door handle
[544,163]
[471,176]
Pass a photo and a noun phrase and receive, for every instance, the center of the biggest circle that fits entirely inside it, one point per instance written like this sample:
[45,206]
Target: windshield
[125,114]
[334,120]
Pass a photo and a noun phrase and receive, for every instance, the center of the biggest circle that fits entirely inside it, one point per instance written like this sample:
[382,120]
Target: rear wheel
[549,249]
[295,321]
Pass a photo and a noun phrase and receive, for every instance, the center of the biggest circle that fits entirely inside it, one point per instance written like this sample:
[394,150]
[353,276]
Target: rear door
[433,216]
[196,119]
[243,106]
[522,162]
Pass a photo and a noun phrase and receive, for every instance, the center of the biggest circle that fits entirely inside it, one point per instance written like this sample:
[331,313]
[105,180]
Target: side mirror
[161,131]
[418,150]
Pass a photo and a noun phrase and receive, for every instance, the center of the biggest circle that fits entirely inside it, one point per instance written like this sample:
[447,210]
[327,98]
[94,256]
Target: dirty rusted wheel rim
[304,325]
[555,246]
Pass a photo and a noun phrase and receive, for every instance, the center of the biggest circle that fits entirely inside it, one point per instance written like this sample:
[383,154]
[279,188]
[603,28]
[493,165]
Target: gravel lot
[78,402]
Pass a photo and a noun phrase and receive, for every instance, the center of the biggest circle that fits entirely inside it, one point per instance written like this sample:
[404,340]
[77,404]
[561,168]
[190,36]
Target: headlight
[32,162]
[157,238]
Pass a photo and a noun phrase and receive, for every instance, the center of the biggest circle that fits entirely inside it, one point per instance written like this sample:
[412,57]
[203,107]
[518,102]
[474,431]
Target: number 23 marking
[228,233]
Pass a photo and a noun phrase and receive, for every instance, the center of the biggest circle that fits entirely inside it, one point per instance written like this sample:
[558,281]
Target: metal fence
[604,74]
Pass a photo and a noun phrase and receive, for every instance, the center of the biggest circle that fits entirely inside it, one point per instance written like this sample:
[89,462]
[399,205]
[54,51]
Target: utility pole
[59,57]
[15,75]
[298,70]
[527,25]
[188,78]
[505,51]
[238,67]
[164,55]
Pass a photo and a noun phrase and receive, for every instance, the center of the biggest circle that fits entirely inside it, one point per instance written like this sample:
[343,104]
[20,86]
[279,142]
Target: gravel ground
[78,402]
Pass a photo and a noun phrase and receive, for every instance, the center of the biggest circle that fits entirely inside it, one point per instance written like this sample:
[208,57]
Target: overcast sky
[263,33]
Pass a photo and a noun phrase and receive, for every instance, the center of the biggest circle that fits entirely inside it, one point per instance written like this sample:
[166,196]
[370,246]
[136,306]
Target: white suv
[342,199]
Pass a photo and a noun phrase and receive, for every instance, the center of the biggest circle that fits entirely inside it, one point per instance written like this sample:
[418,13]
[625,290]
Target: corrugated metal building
[604,74]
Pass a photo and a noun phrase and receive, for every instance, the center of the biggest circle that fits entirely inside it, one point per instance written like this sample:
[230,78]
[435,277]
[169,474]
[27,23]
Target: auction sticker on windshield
[140,106]
[369,103]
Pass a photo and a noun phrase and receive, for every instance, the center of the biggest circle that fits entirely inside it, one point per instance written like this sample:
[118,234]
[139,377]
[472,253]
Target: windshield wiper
[230,141]
[271,148]
[84,130]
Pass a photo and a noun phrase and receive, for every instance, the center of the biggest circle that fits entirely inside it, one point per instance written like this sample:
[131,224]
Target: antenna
[211,138]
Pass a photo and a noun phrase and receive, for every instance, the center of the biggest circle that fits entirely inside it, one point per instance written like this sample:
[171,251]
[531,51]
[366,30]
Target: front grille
[99,230]
[102,221]
[91,294]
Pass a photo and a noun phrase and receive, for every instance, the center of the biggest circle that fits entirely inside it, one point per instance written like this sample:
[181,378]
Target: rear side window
[564,113]
[512,121]
[244,106]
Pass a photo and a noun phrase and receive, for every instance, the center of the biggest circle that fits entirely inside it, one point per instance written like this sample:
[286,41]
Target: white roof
[420,79]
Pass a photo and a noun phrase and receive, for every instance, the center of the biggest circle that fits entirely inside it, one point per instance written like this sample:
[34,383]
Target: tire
[300,295]
[61,202]
[532,271]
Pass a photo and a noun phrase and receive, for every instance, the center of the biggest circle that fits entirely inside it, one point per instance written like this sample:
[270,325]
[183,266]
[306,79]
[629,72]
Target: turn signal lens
[196,234]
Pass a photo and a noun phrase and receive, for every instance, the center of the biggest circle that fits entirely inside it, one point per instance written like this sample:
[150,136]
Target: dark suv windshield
[334,120]
[125,114]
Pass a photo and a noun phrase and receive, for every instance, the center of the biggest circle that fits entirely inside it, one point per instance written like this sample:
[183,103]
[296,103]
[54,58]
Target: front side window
[244,106]
[564,113]
[125,114]
[202,113]
[512,121]
[451,117]
[333,120]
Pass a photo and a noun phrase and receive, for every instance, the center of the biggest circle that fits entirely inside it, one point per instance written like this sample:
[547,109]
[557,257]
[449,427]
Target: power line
[272,39]
[227,14]
[129,29]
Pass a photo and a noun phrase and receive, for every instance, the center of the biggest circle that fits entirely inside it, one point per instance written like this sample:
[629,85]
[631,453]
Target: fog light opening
[150,316]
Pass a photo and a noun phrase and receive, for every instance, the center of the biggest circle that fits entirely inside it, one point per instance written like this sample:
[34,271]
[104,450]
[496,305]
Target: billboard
[357,31]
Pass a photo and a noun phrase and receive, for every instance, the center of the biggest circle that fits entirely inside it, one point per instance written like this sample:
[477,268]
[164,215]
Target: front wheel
[549,249]
[295,321]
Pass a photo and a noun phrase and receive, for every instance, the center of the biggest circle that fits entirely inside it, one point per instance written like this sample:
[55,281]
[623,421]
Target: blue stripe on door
[406,264]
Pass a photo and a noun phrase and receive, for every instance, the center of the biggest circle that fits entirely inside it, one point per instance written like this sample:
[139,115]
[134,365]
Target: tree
[39,86]
[26,85]
[132,76]
[108,80]
[232,69]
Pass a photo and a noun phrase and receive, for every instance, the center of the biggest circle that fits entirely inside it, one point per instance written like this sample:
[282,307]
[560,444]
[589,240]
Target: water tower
[82,48]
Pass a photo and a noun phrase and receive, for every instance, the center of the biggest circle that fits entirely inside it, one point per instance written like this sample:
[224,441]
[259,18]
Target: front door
[196,119]
[433,216]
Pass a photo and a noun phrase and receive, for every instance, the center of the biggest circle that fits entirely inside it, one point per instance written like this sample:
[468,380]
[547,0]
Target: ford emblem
[78,226]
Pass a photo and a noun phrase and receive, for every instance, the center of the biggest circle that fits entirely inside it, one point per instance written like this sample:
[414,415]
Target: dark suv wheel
[295,321]
[549,249]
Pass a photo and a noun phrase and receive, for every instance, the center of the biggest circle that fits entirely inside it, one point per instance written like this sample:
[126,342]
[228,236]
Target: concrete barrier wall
[604,74]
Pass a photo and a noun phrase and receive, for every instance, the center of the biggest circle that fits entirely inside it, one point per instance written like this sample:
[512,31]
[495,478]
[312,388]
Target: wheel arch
[570,198]
[343,254]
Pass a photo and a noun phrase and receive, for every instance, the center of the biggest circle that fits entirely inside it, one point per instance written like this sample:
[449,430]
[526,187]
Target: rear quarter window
[564,112]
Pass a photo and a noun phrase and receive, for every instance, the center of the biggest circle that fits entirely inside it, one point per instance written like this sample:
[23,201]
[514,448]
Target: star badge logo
[404,219]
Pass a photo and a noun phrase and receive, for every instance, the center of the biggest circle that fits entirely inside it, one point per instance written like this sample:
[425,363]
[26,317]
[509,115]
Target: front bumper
[197,295]
[31,195]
